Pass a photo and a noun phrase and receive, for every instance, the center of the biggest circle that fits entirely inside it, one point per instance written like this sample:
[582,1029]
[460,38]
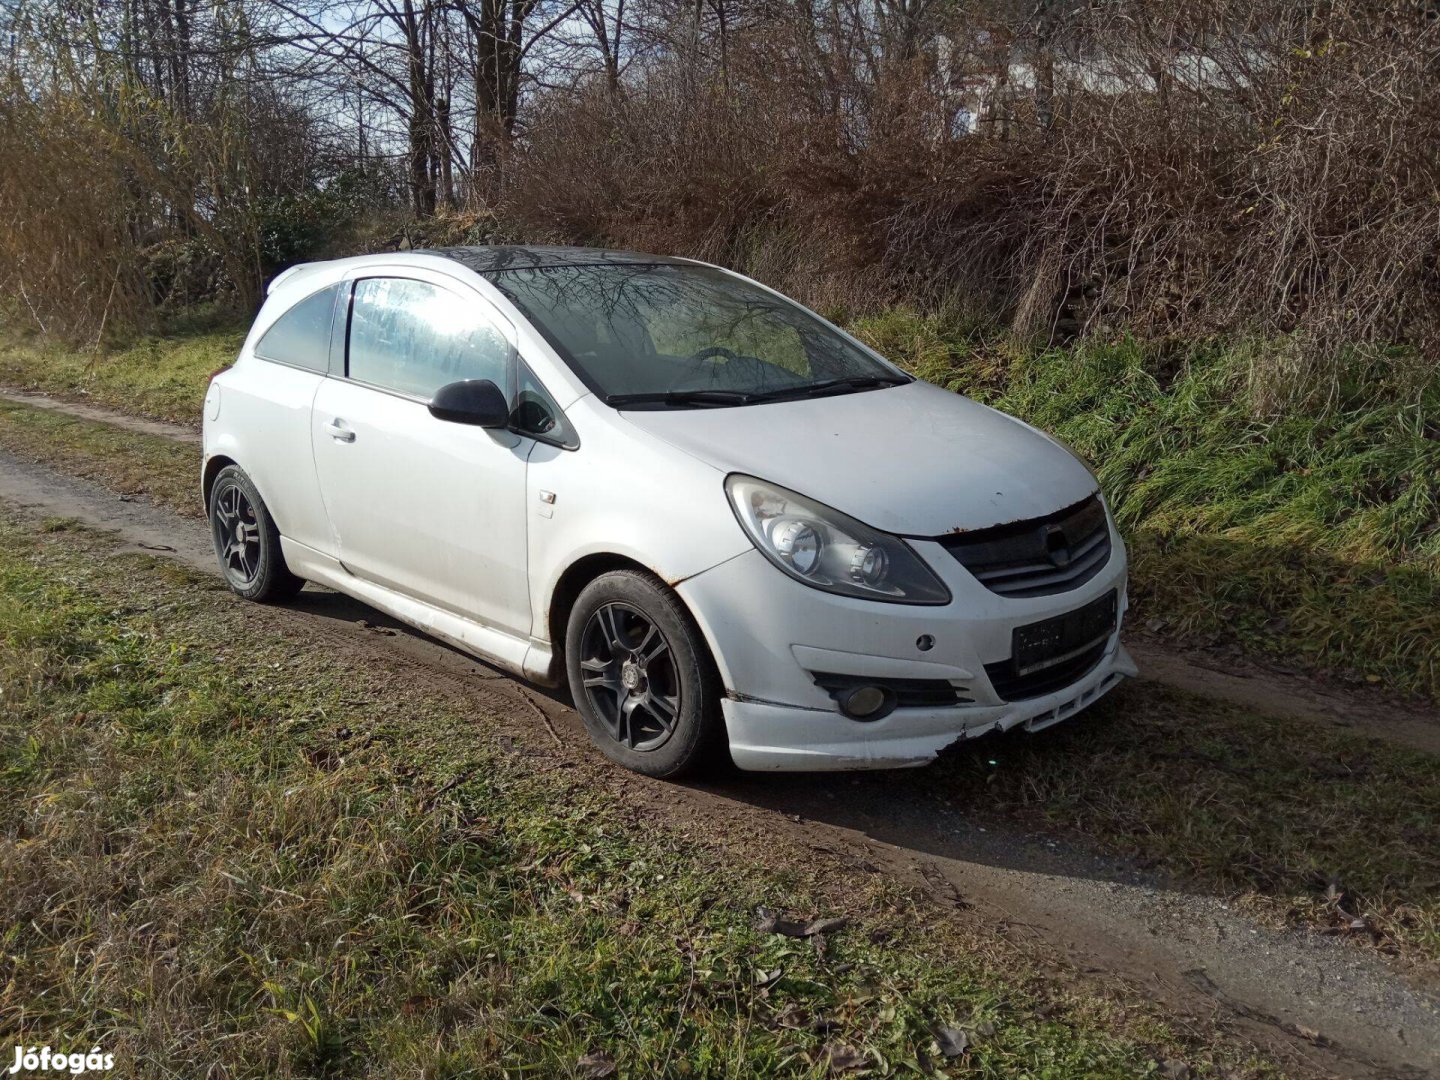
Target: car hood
[915,459]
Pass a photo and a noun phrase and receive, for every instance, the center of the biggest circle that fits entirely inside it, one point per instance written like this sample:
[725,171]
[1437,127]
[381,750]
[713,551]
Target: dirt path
[1274,693]
[139,424]
[1318,1006]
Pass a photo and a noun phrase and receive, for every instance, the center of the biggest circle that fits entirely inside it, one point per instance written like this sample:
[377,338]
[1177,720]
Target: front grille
[1012,687]
[1038,557]
[909,693]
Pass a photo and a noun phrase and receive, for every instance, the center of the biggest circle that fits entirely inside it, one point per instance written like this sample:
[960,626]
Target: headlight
[829,551]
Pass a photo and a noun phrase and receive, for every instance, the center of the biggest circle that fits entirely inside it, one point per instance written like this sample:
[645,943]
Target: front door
[427,507]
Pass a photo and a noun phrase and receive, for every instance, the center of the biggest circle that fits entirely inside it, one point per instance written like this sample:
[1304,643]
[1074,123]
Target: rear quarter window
[301,337]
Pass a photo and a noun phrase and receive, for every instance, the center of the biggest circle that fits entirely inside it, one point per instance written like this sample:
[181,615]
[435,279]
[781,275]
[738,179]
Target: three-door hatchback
[727,524]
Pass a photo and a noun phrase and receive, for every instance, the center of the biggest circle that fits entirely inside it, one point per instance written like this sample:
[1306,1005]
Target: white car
[727,524]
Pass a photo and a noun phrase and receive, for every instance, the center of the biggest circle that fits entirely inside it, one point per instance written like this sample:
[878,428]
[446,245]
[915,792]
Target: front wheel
[247,543]
[642,677]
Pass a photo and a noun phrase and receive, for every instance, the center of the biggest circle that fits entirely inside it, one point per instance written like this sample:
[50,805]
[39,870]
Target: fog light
[863,702]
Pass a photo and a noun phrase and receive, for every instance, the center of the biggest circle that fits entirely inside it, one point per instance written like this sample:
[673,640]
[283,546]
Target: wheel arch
[213,465]
[569,587]
[572,583]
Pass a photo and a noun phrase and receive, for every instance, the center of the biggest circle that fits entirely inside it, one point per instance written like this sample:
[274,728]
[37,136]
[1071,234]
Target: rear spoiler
[286,275]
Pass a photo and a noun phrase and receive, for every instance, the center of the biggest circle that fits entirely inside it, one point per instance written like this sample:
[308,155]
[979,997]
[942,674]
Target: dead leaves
[596,1065]
[952,1041]
[843,1059]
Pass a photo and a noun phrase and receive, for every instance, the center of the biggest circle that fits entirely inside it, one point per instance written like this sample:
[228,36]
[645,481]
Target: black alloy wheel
[630,681]
[237,535]
[642,676]
[247,542]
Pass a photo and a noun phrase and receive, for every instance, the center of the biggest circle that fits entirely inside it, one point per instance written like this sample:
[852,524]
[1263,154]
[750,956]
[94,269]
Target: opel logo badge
[1057,547]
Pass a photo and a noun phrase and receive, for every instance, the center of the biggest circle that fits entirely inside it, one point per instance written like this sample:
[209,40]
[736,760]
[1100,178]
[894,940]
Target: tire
[661,672]
[247,543]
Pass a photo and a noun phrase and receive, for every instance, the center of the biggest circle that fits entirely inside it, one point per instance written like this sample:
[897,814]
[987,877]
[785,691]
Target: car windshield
[678,336]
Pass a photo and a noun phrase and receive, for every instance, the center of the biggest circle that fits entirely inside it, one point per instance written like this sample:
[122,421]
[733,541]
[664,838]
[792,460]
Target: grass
[1319,826]
[225,854]
[163,377]
[165,471]
[1313,534]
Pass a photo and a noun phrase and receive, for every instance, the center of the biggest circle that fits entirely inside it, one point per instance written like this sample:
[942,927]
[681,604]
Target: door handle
[339,432]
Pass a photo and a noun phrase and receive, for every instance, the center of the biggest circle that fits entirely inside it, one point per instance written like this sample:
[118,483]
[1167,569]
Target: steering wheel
[695,365]
[749,372]
[713,351]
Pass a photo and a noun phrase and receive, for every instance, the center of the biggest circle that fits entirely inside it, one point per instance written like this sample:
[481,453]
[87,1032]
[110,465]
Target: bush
[1197,167]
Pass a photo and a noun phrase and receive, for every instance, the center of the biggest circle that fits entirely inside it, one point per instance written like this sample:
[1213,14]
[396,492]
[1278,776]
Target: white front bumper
[782,738]
[769,633]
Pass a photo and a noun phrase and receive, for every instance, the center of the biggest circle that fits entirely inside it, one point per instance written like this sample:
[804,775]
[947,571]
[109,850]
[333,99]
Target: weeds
[1327,828]
[1311,534]
[163,377]
[166,471]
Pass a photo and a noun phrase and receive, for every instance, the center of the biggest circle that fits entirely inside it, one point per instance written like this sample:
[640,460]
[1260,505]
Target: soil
[1317,1006]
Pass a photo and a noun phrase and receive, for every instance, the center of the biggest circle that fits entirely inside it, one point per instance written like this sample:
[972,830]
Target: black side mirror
[474,401]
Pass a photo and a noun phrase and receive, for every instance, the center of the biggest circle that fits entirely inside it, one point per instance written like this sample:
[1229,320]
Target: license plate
[1041,644]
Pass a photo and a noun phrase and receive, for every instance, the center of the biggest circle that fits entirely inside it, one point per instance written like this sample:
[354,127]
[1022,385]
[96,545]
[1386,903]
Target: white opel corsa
[726,523]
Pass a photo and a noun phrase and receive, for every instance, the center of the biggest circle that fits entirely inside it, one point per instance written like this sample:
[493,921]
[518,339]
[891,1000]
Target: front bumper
[769,634]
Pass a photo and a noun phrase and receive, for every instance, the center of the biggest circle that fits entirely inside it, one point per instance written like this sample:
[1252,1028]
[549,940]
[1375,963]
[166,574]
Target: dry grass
[1325,828]
[162,470]
[164,377]
[1277,179]
[224,854]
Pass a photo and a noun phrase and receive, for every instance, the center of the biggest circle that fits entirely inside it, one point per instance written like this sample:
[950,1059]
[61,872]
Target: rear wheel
[641,676]
[247,543]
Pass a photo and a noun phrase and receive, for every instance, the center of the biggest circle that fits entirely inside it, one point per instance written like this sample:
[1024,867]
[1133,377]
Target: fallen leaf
[793,1016]
[766,979]
[770,922]
[596,1065]
[842,1058]
[951,1041]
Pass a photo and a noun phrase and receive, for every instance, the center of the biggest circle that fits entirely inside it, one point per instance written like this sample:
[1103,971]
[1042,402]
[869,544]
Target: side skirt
[526,658]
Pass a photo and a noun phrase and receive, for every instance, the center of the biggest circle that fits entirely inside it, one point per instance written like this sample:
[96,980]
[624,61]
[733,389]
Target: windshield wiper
[743,397]
[682,397]
[831,386]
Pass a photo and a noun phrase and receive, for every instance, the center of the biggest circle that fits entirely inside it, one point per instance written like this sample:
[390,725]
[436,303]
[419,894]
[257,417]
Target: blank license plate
[1044,643]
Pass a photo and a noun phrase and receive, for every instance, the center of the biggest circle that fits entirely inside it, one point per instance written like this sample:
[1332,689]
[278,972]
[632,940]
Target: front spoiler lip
[776,738]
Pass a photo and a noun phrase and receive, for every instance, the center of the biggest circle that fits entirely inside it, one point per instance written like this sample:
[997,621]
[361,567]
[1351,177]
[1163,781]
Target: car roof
[492,259]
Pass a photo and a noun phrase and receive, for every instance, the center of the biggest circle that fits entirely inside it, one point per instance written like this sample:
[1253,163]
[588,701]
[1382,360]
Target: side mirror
[478,402]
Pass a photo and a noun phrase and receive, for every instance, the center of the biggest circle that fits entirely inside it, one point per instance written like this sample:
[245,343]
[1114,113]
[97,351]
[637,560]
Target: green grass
[1313,534]
[163,377]
[221,853]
